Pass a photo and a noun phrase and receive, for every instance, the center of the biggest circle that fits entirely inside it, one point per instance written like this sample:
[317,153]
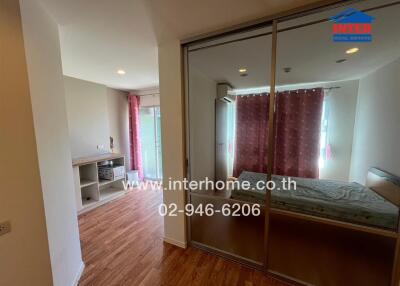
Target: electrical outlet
[5,227]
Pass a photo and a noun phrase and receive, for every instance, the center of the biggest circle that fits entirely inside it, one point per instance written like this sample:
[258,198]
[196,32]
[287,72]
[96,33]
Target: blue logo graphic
[352,26]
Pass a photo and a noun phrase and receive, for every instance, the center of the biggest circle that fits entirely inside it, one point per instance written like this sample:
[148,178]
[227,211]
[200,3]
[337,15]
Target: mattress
[350,202]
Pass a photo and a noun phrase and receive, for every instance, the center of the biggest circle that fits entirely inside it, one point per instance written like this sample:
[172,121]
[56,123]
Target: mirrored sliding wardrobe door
[337,87]
[227,110]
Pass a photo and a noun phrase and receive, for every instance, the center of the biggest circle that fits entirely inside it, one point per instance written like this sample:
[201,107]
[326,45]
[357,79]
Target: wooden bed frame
[388,186]
[385,184]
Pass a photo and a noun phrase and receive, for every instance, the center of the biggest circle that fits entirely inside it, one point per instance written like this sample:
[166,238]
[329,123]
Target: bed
[348,202]
[332,222]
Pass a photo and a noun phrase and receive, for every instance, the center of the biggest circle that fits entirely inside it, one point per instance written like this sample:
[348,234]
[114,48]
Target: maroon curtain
[298,127]
[297,130]
[134,135]
[251,133]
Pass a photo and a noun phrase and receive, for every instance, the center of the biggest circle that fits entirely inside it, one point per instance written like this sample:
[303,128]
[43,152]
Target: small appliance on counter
[109,171]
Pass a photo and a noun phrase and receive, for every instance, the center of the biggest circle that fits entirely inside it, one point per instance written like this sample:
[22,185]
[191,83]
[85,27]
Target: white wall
[87,116]
[377,128]
[50,119]
[342,110]
[203,92]
[24,252]
[95,113]
[148,96]
[118,119]
[150,100]
[172,124]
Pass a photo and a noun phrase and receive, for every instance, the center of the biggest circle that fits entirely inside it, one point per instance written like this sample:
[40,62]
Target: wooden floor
[122,245]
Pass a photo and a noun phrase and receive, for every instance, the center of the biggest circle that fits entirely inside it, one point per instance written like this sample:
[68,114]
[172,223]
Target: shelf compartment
[107,182]
[110,193]
[85,183]
[88,202]
[88,175]
[115,162]
[90,195]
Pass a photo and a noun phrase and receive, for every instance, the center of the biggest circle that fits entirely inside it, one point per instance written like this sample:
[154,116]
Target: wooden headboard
[385,184]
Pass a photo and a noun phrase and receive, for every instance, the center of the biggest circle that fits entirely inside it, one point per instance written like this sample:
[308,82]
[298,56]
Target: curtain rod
[330,88]
[286,90]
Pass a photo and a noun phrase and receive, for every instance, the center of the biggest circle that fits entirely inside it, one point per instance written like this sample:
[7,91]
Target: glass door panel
[326,128]
[228,100]
[151,142]
[158,142]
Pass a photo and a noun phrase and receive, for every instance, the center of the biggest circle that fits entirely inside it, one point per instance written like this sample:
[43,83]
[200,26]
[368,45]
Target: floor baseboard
[79,274]
[181,244]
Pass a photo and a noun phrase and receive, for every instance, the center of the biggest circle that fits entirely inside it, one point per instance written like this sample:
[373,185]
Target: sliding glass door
[150,139]
[225,132]
[327,109]
[297,106]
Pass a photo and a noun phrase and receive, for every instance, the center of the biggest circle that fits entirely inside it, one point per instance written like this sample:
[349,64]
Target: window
[324,144]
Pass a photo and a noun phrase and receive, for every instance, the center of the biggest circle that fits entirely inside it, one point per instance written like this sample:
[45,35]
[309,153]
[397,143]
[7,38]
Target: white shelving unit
[90,191]
[86,183]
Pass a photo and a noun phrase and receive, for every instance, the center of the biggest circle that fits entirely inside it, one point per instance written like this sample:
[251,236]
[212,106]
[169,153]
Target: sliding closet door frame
[185,50]
[271,139]
[396,260]
[185,44]
[186,137]
[312,8]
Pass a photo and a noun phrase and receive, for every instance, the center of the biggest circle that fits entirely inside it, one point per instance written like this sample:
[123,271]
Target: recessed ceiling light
[242,70]
[121,72]
[352,50]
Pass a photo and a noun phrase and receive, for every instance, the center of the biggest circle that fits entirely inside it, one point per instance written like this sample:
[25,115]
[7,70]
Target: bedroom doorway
[150,139]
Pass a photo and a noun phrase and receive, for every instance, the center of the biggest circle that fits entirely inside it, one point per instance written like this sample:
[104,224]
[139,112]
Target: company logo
[352,26]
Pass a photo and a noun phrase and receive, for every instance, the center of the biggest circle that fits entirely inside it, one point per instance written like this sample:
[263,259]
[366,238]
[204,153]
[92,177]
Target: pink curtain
[298,127]
[297,133]
[134,135]
[251,133]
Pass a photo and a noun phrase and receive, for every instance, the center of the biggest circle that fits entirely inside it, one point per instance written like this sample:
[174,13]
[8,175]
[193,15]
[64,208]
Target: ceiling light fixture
[121,72]
[352,50]
[242,70]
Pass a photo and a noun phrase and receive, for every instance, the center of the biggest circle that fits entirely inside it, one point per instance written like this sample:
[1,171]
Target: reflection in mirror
[228,116]
[336,121]
[334,199]
[328,113]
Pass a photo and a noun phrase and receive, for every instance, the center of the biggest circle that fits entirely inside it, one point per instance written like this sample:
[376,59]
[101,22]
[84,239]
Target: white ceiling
[309,51]
[98,37]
